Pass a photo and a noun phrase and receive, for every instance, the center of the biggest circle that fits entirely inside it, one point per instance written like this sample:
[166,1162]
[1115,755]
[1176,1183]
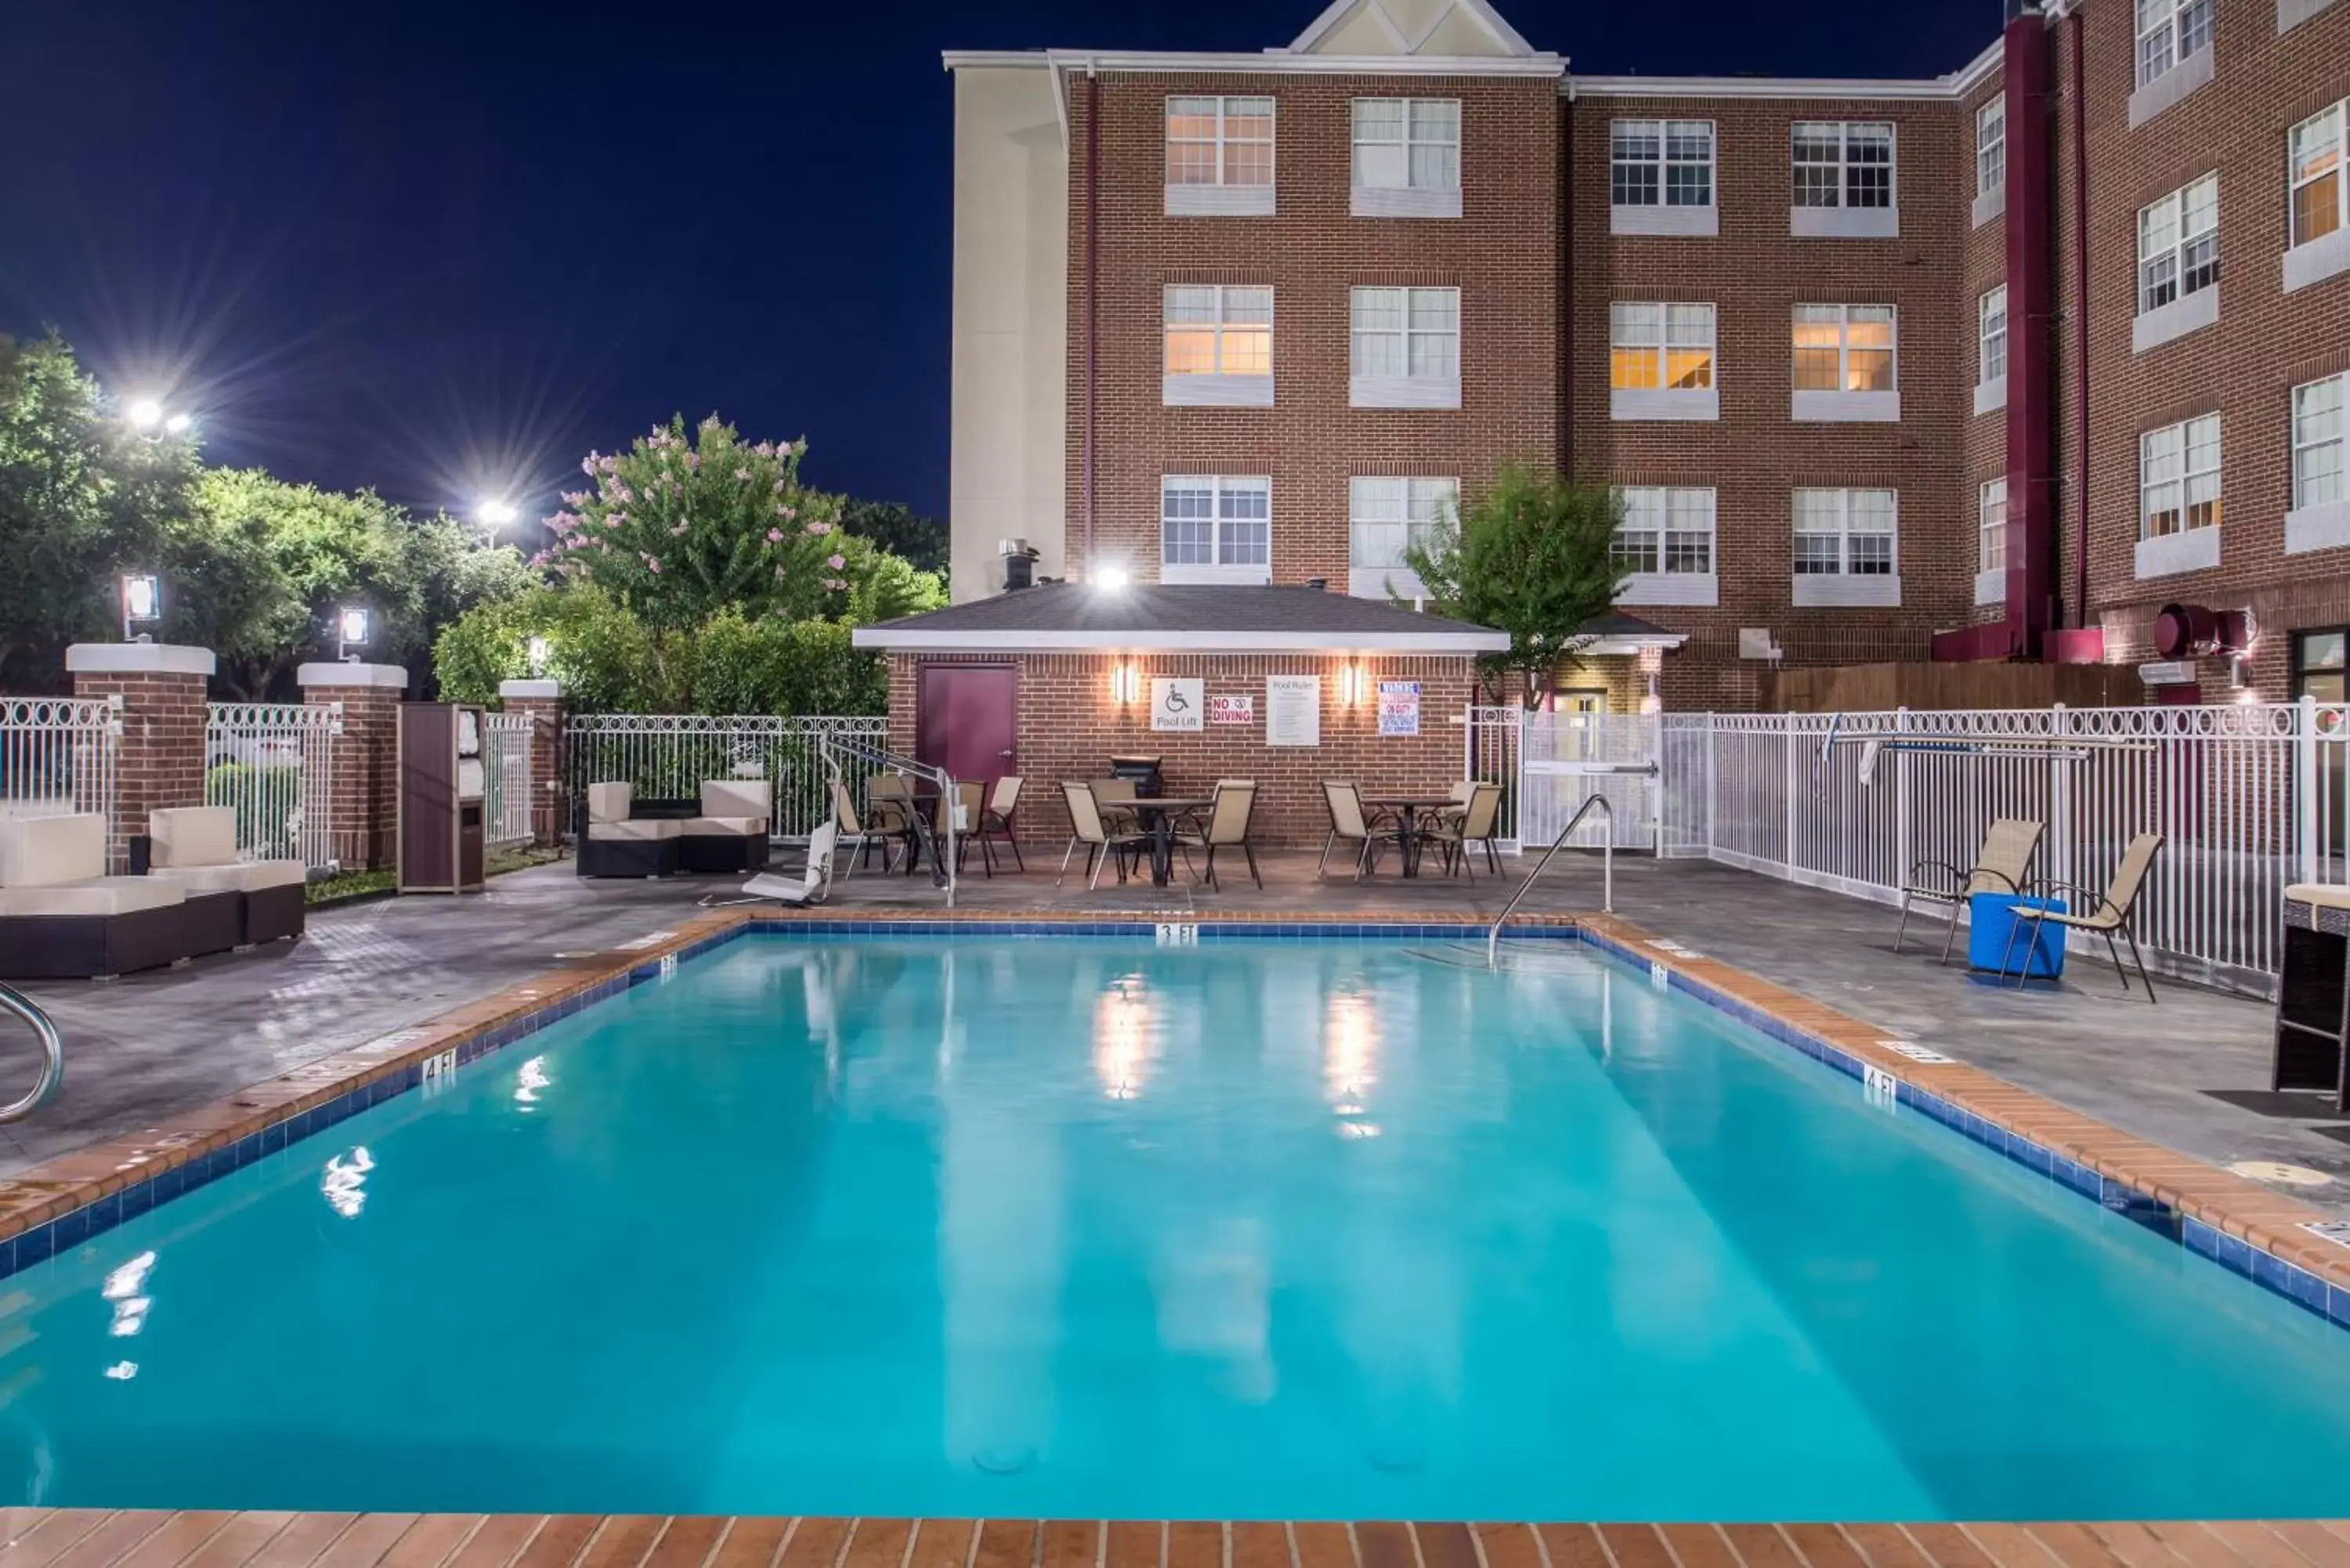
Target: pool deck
[38,1538]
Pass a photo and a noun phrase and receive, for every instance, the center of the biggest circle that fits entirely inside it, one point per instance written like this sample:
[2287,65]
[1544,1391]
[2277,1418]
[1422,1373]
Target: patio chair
[1115,798]
[2108,912]
[1456,831]
[995,821]
[852,831]
[972,795]
[1087,827]
[2000,867]
[1227,827]
[1348,822]
[63,917]
[815,883]
[194,848]
[895,814]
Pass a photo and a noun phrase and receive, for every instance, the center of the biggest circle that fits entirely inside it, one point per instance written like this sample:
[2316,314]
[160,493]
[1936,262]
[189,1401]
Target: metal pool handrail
[1606,859]
[52,1057]
[942,855]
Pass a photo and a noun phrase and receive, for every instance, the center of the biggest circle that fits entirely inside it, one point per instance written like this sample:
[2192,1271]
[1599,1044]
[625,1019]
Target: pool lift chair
[816,882]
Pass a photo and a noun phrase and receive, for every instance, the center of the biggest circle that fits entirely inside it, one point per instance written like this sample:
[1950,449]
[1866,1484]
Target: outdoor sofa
[63,917]
[194,847]
[722,832]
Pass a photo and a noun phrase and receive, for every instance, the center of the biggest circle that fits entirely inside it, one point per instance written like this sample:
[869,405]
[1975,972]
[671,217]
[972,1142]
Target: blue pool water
[1093,1228]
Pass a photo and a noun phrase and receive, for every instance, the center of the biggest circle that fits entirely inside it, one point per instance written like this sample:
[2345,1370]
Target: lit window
[1220,142]
[2168,32]
[2178,245]
[1844,349]
[1219,330]
[1990,337]
[1412,333]
[2317,442]
[1991,148]
[1848,532]
[1206,520]
[1407,144]
[1385,515]
[1660,346]
[1667,529]
[2179,478]
[2320,199]
[1843,164]
[1662,163]
[1991,515]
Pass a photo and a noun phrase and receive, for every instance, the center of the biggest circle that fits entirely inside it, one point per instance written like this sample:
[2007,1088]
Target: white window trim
[1820,406]
[2193,306]
[1661,216]
[2192,547]
[1218,389]
[2158,91]
[1372,580]
[1845,587]
[1218,198]
[2317,525]
[1990,575]
[1404,390]
[1217,570]
[1660,402]
[2292,13]
[1667,585]
[2311,260]
[2169,22]
[1405,200]
[1840,219]
[1990,149]
[1991,390]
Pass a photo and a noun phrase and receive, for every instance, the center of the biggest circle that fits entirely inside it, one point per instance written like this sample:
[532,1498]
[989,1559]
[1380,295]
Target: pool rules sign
[1293,710]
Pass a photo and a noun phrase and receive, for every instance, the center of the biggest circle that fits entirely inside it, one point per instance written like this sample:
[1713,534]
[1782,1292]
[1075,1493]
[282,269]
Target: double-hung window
[1661,176]
[2173,54]
[1844,364]
[2318,197]
[2178,263]
[2320,518]
[1661,361]
[1407,158]
[1215,528]
[1219,156]
[1843,181]
[1219,346]
[1405,347]
[1991,161]
[1846,547]
[1991,350]
[1385,515]
[1991,526]
[2178,497]
[1666,540]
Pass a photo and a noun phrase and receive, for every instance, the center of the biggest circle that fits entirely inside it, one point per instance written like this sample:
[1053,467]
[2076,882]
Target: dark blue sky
[441,249]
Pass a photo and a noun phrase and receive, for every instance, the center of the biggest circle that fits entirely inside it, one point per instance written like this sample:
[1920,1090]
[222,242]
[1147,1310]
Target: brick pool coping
[2227,1218]
[66,1537]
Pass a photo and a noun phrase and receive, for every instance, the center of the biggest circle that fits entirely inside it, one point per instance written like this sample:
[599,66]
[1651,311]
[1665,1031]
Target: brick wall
[160,762]
[1069,727]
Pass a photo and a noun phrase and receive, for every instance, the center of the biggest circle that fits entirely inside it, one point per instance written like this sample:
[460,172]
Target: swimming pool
[1094,1228]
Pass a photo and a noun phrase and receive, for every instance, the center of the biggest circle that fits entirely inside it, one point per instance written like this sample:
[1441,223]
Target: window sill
[1241,577]
[1847,408]
[2167,554]
[2292,13]
[1843,590]
[1373,582]
[1220,201]
[1844,223]
[1700,590]
[1988,205]
[2170,87]
[1216,391]
[1403,392]
[2317,260]
[1665,404]
[1990,396]
[1378,202]
[1702,222]
[2324,528]
[1990,587]
[2188,312]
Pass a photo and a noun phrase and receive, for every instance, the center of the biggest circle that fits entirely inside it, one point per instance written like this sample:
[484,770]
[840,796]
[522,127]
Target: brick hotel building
[1994,365]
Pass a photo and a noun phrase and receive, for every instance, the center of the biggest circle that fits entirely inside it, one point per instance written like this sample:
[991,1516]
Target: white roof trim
[1757,87]
[997,60]
[1612,646]
[1276,64]
[1479,12]
[1463,643]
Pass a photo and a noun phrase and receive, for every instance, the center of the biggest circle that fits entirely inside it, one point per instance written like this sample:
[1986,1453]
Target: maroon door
[967,720]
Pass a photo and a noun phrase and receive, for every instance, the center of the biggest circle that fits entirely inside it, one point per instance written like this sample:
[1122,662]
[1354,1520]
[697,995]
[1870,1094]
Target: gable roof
[1070,617]
[1450,27]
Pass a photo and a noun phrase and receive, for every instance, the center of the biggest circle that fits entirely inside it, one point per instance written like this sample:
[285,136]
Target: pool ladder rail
[52,1057]
[1607,858]
[941,842]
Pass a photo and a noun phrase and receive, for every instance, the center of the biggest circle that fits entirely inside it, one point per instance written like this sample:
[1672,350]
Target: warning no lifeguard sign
[1399,707]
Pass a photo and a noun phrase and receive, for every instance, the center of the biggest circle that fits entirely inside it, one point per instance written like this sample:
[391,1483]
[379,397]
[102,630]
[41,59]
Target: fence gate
[1568,757]
[1489,755]
[273,763]
[666,756]
[57,756]
[506,778]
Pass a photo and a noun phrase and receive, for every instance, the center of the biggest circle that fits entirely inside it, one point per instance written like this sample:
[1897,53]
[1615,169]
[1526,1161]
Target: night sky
[442,249]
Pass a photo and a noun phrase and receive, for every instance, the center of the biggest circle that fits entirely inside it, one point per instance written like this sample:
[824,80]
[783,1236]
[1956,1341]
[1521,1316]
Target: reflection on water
[1350,1061]
[343,1183]
[1125,1037]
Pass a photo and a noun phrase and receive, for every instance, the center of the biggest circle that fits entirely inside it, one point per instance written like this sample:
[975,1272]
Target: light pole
[495,514]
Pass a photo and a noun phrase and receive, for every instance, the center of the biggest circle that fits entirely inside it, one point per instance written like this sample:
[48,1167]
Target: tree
[893,525]
[603,655]
[884,585]
[1532,555]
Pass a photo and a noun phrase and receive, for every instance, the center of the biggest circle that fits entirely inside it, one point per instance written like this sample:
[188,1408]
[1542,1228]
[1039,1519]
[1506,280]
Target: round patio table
[1159,813]
[1408,808]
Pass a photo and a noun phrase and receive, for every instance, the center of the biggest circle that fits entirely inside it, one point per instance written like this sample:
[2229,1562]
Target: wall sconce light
[1125,684]
[352,626]
[1352,684]
[142,604]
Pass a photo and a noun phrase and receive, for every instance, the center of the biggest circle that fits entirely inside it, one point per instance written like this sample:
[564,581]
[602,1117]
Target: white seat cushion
[98,896]
[609,802]
[197,880]
[259,876]
[43,851]
[736,798]
[2319,894]
[193,835]
[725,827]
[648,831]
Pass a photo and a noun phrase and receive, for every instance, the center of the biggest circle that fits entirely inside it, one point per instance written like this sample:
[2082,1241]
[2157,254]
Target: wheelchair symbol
[1176,701]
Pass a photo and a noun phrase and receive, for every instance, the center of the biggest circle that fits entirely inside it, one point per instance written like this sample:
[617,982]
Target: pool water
[1094,1229]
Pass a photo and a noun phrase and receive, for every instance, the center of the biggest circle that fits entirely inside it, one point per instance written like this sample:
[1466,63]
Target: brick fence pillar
[364,798]
[549,790]
[160,762]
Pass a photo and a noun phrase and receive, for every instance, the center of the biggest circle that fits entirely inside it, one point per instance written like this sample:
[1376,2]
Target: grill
[1143,770]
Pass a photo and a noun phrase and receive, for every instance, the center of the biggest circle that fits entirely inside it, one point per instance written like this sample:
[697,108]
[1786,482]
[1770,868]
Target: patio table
[1407,807]
[1159,813]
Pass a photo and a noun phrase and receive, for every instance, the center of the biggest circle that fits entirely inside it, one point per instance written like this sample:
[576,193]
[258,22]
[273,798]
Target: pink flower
[587,463]
[652,564]
[539,559]
[774,535]
[766,448]
[694,460]
[818,529]
[835,585]
[837,563]
[575,497]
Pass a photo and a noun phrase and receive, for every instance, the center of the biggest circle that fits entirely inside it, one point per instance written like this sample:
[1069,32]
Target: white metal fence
[506,794]
[273,763]
[666,756]
[1489,754]
[57,755]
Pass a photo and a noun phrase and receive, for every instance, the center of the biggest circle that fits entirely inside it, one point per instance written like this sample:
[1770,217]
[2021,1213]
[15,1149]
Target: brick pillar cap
[391,675]
[530,688]
[138,658]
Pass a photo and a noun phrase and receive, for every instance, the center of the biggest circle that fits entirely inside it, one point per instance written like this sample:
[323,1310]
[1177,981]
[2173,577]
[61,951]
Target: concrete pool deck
[2189,1073]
